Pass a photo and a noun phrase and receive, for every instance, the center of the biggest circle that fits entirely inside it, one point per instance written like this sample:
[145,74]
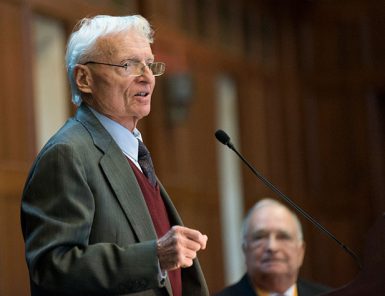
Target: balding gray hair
[268,202]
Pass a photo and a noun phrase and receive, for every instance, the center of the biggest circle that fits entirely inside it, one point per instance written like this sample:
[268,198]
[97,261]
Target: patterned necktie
[145,162]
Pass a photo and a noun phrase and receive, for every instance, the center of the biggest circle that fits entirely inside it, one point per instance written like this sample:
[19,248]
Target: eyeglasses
[263,238]
[136,68]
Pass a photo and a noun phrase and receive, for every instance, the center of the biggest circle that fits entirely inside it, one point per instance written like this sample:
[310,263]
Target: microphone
[224,138]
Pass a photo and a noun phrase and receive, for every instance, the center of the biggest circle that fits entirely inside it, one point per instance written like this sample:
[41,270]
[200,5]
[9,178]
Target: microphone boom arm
[225,139]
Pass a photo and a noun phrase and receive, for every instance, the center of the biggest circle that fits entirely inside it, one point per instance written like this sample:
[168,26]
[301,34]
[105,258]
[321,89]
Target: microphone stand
[225,140]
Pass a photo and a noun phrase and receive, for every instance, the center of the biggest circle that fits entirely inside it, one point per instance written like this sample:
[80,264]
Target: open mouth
[142,94]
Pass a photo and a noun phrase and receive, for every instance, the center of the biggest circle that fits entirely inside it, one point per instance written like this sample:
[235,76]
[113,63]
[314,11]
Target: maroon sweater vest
[159,218]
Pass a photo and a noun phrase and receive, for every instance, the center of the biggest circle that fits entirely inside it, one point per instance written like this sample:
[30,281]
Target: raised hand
[179,246]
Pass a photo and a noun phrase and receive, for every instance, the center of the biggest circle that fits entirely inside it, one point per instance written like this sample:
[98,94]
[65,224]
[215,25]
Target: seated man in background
[274,250]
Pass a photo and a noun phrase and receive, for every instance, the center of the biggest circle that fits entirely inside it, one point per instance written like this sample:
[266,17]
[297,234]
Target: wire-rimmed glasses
[135,68]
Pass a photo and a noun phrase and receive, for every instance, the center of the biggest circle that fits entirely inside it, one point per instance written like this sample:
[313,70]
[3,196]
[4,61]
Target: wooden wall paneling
[330,264]
[161,10]
[207,21]
[17,141]
[213,24]
[276,133]
[71,11]
[12,2]
[376,142]
[236,28]
[376,38]
[290,99]
[330,184]
[16,128]
[203,172]
[271,67]
[253,105]
[331,113]
[250,16]
[14,275]
[368,201]
[336,133]
[254,134]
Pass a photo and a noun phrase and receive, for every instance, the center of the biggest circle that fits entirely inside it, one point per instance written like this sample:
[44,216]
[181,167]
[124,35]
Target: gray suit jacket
[86,225]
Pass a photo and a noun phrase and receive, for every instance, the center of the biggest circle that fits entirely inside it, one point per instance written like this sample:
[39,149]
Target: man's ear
[83,78]
[302,252]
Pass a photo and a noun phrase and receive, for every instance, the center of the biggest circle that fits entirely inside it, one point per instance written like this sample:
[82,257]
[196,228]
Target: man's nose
[272,243]
[145,74]
[145,69]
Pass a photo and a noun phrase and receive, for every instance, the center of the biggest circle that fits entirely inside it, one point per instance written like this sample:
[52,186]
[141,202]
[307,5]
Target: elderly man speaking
[95,218]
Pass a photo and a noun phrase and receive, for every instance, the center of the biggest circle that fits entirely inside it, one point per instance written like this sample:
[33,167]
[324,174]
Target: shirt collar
[289,292]
[126,140]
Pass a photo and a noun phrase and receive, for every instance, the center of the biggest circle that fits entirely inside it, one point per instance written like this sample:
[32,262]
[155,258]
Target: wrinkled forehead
[272,218]
[127,42]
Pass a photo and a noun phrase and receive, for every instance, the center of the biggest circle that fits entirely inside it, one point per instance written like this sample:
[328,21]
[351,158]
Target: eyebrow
[135,58]
[264,232]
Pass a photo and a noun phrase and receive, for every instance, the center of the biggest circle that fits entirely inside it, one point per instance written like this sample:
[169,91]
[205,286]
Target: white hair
[82,41]
[269,202]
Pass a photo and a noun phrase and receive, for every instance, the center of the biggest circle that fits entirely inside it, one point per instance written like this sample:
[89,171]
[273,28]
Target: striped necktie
[145,162]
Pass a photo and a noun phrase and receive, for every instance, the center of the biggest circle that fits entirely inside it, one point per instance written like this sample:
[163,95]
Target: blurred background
[299,86]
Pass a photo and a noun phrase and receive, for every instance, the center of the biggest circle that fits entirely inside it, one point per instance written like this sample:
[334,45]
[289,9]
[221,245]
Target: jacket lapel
[123,181]
[120,176]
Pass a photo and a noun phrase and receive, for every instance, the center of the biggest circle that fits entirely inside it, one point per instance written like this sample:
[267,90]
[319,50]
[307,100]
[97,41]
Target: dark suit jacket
[244,288]
[86,225]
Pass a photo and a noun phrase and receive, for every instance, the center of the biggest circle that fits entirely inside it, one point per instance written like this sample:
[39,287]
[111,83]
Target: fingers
[179,246]
[195,236]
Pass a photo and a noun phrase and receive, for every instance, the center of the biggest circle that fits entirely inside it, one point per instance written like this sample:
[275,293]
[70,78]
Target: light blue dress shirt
[126,140]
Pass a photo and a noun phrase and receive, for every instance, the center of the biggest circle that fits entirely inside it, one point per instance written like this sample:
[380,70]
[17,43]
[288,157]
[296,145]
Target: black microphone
[225,140]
